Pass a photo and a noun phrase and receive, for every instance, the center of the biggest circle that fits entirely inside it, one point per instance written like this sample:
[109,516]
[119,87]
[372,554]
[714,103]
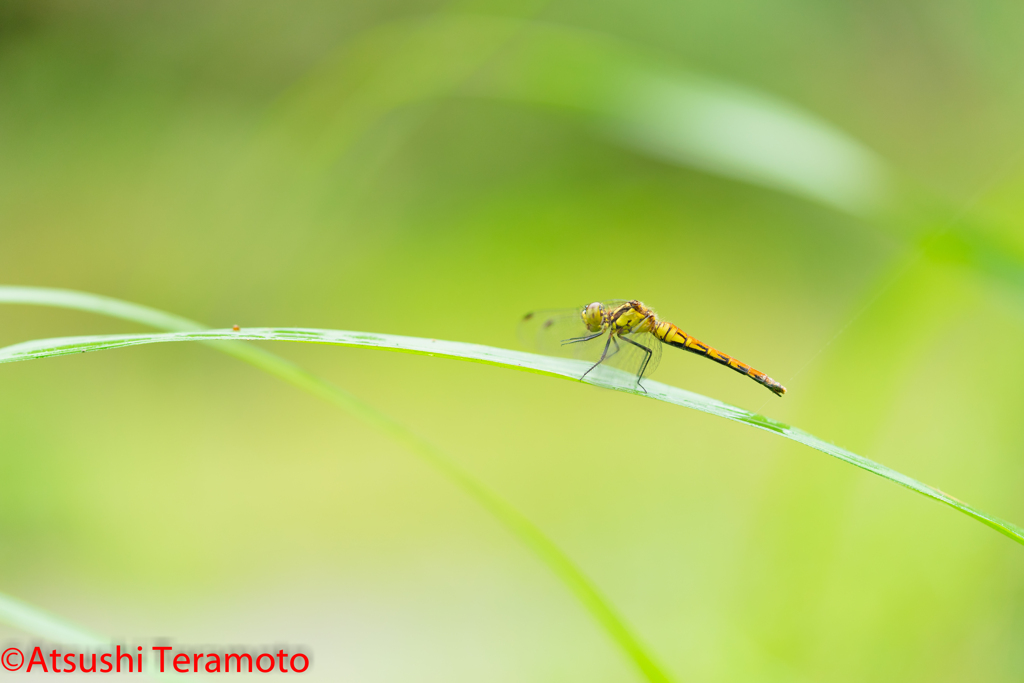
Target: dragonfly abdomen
[673,336]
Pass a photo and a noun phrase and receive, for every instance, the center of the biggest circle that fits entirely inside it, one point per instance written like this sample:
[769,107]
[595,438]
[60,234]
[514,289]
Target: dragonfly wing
[548,331]
[545,331]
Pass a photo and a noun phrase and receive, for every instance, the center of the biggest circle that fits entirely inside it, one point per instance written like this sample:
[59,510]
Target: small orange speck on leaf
[236,328]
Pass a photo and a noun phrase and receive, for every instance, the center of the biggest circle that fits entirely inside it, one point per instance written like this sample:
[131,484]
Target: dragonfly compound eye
[593,316]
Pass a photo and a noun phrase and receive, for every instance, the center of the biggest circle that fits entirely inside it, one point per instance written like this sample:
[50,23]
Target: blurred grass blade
[692,119]
[54,629]
[25,617]
[632,98]
[518,525]
[95,303]
[557,367]
[740,133]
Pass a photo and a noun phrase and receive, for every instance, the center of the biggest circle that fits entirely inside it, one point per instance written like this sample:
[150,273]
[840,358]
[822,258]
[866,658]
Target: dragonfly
[627,335]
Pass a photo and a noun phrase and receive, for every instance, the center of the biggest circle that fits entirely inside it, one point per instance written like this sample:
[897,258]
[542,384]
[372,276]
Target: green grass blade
[558,367]
[515,522]
[94,303]
[636,100]
[31,619]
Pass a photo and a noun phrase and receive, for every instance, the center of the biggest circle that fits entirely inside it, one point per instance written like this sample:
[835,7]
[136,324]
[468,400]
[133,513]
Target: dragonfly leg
[604,354]
[647,359]
[617,348]
[574,340]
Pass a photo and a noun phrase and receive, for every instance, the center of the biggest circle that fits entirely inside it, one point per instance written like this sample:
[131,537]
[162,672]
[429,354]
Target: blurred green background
[832,192]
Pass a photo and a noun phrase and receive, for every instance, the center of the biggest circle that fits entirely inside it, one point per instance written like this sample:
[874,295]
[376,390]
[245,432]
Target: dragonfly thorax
[632,317]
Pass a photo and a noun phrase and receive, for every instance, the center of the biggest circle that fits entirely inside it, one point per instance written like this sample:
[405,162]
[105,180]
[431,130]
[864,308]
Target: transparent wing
[547,331]
[544,331]
[562,332]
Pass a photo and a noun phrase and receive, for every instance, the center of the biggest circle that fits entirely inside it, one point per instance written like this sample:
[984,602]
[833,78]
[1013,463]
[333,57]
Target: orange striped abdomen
[673,336]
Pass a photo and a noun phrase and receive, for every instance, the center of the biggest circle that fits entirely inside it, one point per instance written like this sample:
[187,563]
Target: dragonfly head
[593,316]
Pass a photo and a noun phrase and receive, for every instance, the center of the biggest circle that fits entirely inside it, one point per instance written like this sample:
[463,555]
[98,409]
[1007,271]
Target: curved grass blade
[635,100]
[519,526]
[31,619]
[34,620]
[557,367]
